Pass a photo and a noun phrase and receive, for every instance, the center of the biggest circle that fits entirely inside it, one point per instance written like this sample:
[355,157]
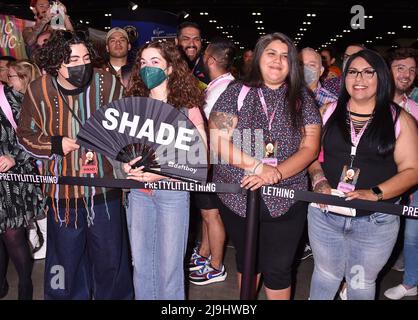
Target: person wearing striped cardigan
[87,253]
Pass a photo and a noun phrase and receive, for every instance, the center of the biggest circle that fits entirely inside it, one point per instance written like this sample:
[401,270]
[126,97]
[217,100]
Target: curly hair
[182,85]
[57,50]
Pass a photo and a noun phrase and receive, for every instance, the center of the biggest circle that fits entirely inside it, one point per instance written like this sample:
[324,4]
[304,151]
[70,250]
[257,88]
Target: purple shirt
[251,116]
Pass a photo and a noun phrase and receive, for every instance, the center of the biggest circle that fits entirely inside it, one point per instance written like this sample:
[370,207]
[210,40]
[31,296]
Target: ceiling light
[133,5]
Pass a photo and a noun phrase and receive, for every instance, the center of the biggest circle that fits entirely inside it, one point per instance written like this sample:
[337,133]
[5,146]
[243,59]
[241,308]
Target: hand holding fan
[162,135]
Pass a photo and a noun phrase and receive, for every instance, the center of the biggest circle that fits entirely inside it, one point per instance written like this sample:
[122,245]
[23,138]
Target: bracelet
[256,166]
[317,182]
[281,176]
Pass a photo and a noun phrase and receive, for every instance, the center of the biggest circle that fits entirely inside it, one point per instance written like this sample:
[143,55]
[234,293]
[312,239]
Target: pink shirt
[195,116]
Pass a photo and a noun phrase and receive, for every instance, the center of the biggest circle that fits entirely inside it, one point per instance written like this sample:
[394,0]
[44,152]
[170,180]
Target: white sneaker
[399,264]
[399,292]
[343,293]
[40,253]
[33,238]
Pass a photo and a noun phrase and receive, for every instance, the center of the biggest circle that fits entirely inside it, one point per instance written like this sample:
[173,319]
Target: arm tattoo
[316,174]
[222,120]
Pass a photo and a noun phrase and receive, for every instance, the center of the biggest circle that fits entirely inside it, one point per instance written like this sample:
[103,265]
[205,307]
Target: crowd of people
[349,130]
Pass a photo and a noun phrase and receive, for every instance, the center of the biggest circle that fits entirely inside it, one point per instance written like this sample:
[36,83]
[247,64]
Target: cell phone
[58,13]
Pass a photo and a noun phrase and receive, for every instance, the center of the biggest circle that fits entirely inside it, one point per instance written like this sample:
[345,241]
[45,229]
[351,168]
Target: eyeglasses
[210,56]
[367,73]
[404,69]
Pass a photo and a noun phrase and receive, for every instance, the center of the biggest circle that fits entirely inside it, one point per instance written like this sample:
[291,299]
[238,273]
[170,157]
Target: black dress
[19,202]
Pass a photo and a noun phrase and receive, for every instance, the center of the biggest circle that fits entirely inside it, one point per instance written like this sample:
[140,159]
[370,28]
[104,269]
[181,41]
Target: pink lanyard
[264,104]
[355,139]
[221,79]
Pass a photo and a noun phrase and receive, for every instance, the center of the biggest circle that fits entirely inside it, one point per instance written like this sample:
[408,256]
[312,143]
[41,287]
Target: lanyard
[355,139]
[223,78]
[65,102]
[195,64]
[264,104]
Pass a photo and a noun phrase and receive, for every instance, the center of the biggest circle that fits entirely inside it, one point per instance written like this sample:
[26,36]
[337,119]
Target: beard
[402,88]
[194,56]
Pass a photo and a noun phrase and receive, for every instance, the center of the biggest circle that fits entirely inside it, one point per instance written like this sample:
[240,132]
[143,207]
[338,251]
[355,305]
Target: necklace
[361,115]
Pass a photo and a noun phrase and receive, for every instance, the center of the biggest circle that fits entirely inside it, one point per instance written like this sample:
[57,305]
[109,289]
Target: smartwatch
[378,193]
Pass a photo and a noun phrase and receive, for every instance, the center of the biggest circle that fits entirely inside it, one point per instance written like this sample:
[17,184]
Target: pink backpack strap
[7,109]
[242,94]
[330,110]
[397,123]
[327,114]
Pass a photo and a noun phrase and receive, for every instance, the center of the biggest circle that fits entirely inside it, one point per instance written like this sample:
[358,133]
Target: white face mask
[309,75]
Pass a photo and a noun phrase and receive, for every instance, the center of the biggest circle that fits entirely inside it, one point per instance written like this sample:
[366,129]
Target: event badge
[348,179]
[89,163]
[270,153]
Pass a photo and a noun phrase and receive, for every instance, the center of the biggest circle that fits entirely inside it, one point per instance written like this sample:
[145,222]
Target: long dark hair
[182,85]
[294,79]
[381,130]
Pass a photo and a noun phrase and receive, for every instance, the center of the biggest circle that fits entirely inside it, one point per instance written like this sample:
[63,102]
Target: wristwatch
[378,193]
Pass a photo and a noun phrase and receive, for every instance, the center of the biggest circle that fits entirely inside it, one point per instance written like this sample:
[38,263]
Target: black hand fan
[162,135]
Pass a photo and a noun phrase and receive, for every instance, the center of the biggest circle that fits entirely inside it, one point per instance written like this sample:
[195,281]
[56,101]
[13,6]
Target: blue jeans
[410,247]
[159,223]
[93,261]
[354,248]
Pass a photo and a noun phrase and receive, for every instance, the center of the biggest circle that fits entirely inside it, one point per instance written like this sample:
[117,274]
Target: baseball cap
[116,29]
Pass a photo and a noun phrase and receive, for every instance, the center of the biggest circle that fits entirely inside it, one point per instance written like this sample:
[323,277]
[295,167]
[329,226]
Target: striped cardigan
[44,115]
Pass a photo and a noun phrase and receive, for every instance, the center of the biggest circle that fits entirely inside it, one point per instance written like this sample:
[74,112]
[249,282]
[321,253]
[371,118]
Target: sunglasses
[9,76]
[76,35]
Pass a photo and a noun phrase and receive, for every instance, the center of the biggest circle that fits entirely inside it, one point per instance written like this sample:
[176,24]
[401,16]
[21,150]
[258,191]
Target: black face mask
[79,76]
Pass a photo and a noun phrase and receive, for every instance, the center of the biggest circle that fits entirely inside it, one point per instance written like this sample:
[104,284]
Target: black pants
[277,244]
